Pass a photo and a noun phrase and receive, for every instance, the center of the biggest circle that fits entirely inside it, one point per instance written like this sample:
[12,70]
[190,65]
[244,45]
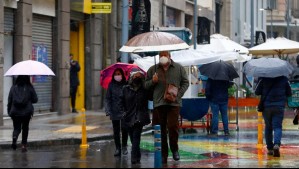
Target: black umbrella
[219,70]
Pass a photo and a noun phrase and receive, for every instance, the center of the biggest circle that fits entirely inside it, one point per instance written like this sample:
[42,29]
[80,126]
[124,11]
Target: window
[272,4]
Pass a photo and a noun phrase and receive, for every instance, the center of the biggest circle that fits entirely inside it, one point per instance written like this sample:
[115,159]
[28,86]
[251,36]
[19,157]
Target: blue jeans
[273,118]
[223,108]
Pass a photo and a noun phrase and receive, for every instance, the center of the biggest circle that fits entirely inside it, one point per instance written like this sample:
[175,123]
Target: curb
[68,141]
[59,142]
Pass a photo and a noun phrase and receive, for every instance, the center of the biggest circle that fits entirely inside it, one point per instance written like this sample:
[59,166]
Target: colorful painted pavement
[198,150]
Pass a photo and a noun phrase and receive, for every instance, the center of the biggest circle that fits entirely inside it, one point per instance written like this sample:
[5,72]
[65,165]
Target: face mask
[164,60]
[118,78]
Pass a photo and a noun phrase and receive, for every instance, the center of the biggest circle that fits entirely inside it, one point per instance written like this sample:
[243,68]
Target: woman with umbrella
[113,110]
[21,97]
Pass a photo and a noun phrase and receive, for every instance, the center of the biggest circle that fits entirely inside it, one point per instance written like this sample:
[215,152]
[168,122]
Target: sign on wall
[40,53]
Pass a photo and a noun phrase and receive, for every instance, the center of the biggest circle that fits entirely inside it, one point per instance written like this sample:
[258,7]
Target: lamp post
[195,23]
[271,10]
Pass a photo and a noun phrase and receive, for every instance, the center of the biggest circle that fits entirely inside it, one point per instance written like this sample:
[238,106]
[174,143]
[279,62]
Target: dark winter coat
[217,90]
[25,110]
[276,91]
[113,99]
[135,106]
[74,79]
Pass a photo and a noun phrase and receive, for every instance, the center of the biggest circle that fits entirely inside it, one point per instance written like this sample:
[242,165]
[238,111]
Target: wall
[43,7]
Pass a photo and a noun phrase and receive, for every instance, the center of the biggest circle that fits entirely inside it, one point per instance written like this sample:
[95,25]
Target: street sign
[101,8]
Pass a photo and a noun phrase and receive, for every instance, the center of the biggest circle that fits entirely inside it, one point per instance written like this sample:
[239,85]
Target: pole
[158,152]
[125,29]
[195,23]
[271,22]
[252,23]
[260,130]
[288,19]
[84,143]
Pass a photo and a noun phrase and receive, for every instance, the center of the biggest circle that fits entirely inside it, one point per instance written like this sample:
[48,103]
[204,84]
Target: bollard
[84,132]
[260,130]
[158,153]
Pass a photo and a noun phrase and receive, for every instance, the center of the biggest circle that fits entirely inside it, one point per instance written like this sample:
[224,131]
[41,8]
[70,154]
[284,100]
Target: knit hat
[135,71]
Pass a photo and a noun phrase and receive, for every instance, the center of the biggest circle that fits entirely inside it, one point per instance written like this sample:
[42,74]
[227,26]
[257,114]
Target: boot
[24,148]
[125,150]
[14,144]
[117,152]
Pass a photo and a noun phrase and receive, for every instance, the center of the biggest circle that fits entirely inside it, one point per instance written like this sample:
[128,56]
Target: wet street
[197,150]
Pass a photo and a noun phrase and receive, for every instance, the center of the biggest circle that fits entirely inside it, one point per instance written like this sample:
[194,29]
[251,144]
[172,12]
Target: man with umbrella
[219,76]
[172,77]
[274,88]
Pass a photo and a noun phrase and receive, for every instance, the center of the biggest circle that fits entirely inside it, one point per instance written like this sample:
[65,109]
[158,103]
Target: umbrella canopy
[220,43]
[154,41]
[278,46]
[268,67]
[106,74]
[186,58]
[219,70]
[31,68]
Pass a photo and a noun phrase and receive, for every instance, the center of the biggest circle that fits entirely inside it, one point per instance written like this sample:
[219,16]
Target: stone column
[62,46]
[1,60]
[94,62]
[23,31]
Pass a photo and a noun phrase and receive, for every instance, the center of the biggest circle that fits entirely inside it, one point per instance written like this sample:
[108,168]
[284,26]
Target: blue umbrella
[268,67]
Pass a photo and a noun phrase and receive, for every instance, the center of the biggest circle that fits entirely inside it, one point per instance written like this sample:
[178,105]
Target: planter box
[243,102]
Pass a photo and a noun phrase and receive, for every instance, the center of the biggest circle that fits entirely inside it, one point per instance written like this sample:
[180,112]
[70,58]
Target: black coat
[28,110]
[112,100]
[135,106]
[74,79]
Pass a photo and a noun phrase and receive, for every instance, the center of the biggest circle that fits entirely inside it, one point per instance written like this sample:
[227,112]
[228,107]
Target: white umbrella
[220,43]
[31,68]
[278,46]
[186,58]
[154,41]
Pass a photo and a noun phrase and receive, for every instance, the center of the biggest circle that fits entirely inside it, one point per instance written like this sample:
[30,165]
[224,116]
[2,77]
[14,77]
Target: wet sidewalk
[54,129]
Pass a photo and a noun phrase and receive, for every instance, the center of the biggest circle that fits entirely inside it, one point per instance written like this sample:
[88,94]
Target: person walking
[21,97]
[74,81]
[162,79]
[113,110]
[274,93]
[217,94]
[134,103]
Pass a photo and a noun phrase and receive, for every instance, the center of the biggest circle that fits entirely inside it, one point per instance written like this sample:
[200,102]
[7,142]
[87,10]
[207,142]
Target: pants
[223,108]
[21,124]
[273,118]
[135,136]
[169,121]
[117,127]
[73,92]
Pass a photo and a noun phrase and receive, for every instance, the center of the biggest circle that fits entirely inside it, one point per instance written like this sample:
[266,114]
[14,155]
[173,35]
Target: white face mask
[118,78]
[164,60]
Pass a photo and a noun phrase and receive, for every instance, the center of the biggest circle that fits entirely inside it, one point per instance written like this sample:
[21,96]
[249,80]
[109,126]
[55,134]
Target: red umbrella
[106,74]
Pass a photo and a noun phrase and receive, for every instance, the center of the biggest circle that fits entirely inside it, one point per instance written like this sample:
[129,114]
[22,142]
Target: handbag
[171,93]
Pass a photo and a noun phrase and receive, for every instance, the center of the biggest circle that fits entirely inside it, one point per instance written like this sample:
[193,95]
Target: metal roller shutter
[42,35]
[8,20]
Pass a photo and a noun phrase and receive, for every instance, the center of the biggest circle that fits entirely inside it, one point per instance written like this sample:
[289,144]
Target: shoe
[117,153]
[14,146]
[176,156]
[270,153]
[226,134]
[125,150]
[134,161]
[74,111]
[24,148]
[276,152]
[213,135]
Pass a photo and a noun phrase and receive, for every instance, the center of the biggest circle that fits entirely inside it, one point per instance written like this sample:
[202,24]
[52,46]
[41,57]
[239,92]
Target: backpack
[21,96]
